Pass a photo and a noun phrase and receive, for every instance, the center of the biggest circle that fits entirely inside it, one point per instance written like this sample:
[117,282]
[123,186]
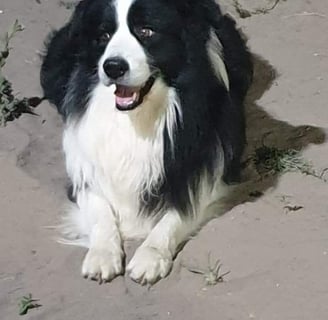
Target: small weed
[212,274]
[27,303]
[273,160]
[11,107]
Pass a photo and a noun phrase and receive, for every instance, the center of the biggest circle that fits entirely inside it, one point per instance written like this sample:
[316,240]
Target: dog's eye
[144,33]
[104,38]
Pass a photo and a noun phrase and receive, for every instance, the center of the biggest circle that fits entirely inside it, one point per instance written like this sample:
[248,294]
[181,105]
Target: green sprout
[27,303]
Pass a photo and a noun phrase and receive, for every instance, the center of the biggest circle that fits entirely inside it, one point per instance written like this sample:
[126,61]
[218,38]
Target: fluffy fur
[155,171]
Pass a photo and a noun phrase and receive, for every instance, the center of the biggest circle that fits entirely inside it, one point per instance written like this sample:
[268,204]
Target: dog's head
[131,43]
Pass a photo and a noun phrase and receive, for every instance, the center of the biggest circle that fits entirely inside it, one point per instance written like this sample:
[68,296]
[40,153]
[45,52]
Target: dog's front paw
[149,265]
[102,264]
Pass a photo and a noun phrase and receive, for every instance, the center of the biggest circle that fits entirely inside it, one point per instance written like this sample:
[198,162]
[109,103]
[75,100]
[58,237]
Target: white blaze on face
[124,45]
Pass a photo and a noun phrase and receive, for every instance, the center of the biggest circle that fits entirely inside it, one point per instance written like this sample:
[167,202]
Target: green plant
[26,303]
[11,107]
[273,160]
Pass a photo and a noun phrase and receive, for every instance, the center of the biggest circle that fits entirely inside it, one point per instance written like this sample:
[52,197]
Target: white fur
[104,259]
[112,157]
[214,49]
[154,258]
[119,154]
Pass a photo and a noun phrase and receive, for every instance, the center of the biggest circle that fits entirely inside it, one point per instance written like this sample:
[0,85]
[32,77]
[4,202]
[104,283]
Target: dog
[151,93]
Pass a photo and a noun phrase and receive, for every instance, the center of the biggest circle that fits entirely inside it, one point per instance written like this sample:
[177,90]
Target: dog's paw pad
[102,264]
[149,265]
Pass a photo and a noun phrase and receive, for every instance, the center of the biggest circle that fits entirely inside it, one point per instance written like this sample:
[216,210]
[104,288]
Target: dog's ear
[62,48]
[76,21]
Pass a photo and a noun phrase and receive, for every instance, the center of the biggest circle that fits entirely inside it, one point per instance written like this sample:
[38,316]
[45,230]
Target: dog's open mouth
[128,98]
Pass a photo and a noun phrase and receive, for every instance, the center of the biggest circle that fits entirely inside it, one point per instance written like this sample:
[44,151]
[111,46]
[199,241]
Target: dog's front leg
[104,260]
[153,260]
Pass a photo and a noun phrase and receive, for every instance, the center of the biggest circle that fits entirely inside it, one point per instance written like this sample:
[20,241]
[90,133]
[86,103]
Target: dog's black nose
[115,67]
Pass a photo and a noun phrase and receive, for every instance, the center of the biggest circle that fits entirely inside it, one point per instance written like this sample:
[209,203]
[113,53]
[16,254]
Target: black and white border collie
[152,93]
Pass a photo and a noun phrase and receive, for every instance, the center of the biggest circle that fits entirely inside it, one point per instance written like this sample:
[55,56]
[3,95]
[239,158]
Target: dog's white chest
[119,155]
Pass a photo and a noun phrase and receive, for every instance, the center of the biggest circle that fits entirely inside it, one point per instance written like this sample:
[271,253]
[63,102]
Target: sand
[277,258]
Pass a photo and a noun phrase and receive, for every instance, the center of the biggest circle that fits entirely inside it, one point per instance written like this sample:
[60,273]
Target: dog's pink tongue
[124,101]
[125,96]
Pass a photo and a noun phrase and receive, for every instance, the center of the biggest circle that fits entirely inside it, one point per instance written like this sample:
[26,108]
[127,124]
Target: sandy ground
[278,260]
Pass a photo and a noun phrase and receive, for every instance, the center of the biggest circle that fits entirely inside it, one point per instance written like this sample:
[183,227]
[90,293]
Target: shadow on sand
[262,129]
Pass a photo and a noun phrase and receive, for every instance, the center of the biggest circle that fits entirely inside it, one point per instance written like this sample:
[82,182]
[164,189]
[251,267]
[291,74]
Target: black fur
[211,114]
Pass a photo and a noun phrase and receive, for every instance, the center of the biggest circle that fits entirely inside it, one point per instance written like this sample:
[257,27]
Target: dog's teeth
[135,96]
